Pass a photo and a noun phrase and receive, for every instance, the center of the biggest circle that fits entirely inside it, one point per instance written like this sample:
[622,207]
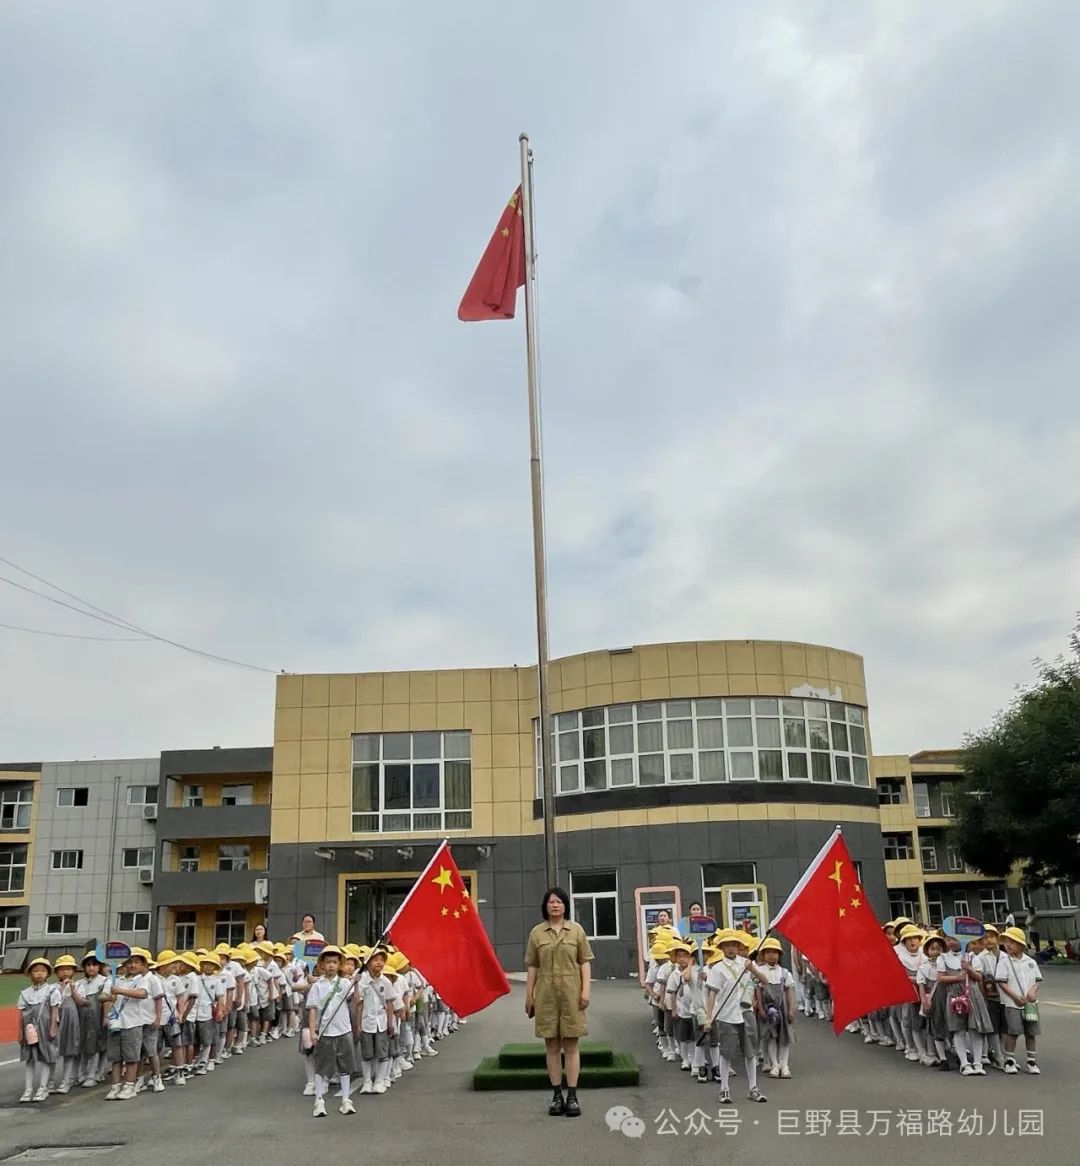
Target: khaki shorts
[557,1007]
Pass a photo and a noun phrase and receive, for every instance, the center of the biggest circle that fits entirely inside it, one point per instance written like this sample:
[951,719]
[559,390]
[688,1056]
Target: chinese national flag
[492,291]
[827,917]
[439,929]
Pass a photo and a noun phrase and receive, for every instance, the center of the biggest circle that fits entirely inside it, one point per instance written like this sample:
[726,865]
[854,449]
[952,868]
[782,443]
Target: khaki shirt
[558,952]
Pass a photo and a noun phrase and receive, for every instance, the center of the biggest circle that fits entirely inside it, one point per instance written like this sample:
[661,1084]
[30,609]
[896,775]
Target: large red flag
[492,291]
[827,917]
[439,929]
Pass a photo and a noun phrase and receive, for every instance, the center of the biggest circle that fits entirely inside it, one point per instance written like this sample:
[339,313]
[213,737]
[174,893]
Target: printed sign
[701,924]
[115,951]
[651,915]
[963,928]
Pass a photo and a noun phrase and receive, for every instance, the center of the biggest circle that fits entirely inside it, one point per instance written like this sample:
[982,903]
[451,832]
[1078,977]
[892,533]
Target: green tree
[1020,802]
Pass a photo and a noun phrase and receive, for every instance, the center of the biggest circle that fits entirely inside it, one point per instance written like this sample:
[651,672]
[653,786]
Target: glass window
[680,735]
[771,764]
[595,775]
[795,734]
[621,739]
[960,905]
[142,795]
[737,708]
[396,747]
[797,768]
[792,708]
[650,737]
[569,778]
[956,862]
[457,746]
[897,846]
[1066,897]
[651,769]
[769,706]
[10,931]
[189,862]
[133,921]
[837,712]
[237,795]
[935,909]
[994,906]
[715,875]
[72,796]
[710,734]
[569,746]
[567,721]
[12,869]
[711,707]
[192,796]
[184,930]
[67,860]
[742,767]
[922,799]
[16,804]
[820,767]
[365,747]
[426,746]
[815,709]
[891,792]
[712,766]
[861,770]
[622,771]
[768,733]
[678,708]
[137,856]
[948,810]
[595,899]
[843,768]
[855,715]
[839,736]
[651,710]
[819,735]
[740,732]
[620,714]
[594,744]
[235,856]
[928,853]
[682,767]
[61,924]
[591,718]
[230,926]
[858,739]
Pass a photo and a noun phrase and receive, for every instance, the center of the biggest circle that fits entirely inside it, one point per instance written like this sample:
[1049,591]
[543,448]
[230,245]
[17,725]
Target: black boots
[564,1106]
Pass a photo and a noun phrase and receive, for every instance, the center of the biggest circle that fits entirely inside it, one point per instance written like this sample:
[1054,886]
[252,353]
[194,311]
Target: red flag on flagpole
[492,291]
[828,918]
[439,929]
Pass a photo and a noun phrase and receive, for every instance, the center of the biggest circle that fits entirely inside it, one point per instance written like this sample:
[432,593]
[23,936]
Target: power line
[116,621]
[10,627]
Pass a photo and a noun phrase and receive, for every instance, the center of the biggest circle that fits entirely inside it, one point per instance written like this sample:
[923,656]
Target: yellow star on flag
[505,232]
[465,905]
[855,902]
[857,889]
[445,911]
[842,912]
[835,876]
[443,879]
[457,914]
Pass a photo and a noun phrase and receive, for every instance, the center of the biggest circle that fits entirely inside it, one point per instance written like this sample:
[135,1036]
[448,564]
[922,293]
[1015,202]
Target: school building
[709,771]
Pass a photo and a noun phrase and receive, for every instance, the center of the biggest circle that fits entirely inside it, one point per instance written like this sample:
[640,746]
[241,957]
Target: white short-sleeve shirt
[1017,974]
[332,1015]
[376,993]
[721,979]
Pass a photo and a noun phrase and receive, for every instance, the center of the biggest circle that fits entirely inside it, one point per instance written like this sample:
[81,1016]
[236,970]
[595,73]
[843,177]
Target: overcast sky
[809,342]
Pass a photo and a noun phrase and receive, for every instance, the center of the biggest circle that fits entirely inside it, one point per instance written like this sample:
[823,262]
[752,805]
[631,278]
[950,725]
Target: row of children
[367,1011]
[968,1008]
[738,1003]
[194,1008]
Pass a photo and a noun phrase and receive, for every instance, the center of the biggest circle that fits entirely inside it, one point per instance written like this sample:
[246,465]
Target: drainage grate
[60,1153]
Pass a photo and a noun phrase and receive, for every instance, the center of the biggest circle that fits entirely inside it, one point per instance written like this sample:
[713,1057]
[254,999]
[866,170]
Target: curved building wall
[673,762]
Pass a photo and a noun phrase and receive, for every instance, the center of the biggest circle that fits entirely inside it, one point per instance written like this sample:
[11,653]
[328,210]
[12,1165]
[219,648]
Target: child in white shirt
[39,1021]
[778,1004]
[1018,978]
[723,1006]
[329,1019]
[376,1024]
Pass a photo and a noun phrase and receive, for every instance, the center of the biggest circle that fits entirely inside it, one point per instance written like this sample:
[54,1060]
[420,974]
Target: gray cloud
[807,295]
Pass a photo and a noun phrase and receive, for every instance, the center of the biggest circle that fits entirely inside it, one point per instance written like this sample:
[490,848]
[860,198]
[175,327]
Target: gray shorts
[266,1013]
[335,1055]
[684,1029]
[231,1020]
[172,1033]
[375,1046]
[151,1040]
[669,1024]
[125,1047]
[187,1033]
[1014,1024]
[207,1033]
[242,1021]
[731,1040]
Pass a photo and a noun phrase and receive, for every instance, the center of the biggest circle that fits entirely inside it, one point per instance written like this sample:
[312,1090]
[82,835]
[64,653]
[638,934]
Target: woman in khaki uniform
[557,994]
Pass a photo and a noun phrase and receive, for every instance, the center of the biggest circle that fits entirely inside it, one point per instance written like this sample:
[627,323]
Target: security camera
[484,851]
[325,853]
[405,852]
[365,853]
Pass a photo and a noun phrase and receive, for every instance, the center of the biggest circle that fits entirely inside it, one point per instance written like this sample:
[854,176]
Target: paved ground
[252,1107]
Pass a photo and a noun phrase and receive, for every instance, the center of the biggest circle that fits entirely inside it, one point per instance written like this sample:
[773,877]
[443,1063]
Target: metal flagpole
[551,862]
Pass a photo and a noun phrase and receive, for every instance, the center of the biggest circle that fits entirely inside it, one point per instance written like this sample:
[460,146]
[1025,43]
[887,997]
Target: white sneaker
[911,1055]
[685,1067]
[347,1107]
[366,1087]
[967,1070]
[774,1071]
[140,1085]
[211,1066]
[431,1052]
[238,1051]
[379,1087]
[112,1095]
[868,1039]
[181,1078]
[406,1065]
[320,1108]
[159,1085]
[88,1083]
[309,1089]
[979,1071]
[927,1060]
[1033,1068]
[127,1092]
[1011,1067]
[42,1094]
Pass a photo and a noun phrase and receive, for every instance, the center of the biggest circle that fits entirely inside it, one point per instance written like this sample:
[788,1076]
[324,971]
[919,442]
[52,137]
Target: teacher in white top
[307,930]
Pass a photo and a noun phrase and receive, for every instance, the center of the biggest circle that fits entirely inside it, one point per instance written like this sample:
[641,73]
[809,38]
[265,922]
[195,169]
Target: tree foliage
[1020,802]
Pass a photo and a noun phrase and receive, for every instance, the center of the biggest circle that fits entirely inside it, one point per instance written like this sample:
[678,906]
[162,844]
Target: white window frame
[1025,898]
[238,786]
[186,941]
[62,929]
[928,846]
[1066,897]
[935,905]
[594,896]
[138,851]
[920,793]
[9,868]
[17,799]
[62,804]
[183,859]
[56,858]
[999,901]
[953,858]
[896,794]
[144,800]
[959,900]
[415,819]
[11,930]
[900,904]
[188,798]
[721,709]
[948,804]
[231,924]
[909,846]
[246,860]
[135,916]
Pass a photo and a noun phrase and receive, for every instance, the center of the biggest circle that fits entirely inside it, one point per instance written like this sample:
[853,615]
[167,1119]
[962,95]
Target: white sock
[687,1050]
[978,1045]
[28,1071]
[42,1076]
[941,1050]
[346,1086]
[751,1072]
[698,1057]
[320,1086]
[725,1073]
[714,1056]
[785,1052]
[771,1057]
[960,1043]
[309,1069]
[367,1071]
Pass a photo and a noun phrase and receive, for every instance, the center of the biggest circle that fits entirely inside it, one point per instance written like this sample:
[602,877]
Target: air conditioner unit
[146,876]
[149,811]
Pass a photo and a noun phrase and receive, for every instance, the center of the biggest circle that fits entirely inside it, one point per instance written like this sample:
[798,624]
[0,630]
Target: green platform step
[522,1066]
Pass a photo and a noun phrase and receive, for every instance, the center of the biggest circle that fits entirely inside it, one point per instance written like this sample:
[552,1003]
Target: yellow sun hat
[910,931]
[65,961]
[223,948]
[141,953]
[770,943]
[166,957]
[190,959]
[39,959]
[212,958]
[658,952]
[1016,935]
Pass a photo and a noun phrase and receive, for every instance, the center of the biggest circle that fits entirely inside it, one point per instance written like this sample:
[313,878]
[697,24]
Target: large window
[137,856]
[928,853]
[948,805]
[67,860]
[184,930]
[672,742]
[192,796]
[230,926]
[960,905]
[72,796]
[12,869]
[235,856]
[1066,897]
[411,782]
[61,924]
[891,791]
[142,795]
[189,860]
[956,860]
[10,931]
[935,909]
[16,804]
[237,795]
[897,846]
[994,906]
[904,904]
[595,896]
[922,799]
[128,921]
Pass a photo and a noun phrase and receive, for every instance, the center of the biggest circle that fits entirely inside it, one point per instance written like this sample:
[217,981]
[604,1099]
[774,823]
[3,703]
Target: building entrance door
[370,904]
